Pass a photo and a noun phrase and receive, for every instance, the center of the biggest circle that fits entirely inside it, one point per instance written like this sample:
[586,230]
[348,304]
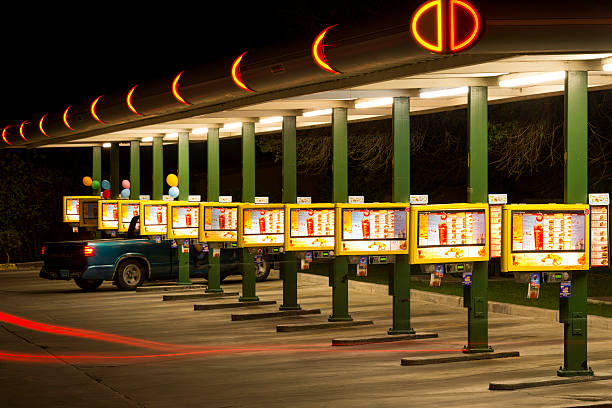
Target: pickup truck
[130,261]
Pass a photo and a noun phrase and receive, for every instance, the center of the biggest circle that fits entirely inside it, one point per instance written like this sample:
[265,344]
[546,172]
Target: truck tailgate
[65,255]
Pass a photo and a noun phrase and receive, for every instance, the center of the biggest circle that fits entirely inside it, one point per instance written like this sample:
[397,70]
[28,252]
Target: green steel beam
[96,166]
[248,196]
[476,296]
[183,176]
[135,169]
[114,170]
[399,286]
[212,195]
[158,168]
[339,272]
[289,264]
[573,311]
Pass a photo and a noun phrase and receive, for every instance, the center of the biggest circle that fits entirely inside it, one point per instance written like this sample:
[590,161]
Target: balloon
[87,181]
[105,184]
[95,184]
[174,192]
[125,193]
[125,184]
[172,180]
[106,194]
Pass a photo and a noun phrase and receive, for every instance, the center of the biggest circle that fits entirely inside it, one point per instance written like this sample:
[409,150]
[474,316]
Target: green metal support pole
[573,311]
[96,168]
[96,174]
[248,196]
[135,169]
[338,278]
[183,176]
[158,168]
[212,195]
[289,266]
[114,170]
[399,286]
[475,297]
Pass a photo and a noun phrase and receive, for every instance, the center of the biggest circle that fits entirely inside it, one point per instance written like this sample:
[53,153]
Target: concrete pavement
[170,356]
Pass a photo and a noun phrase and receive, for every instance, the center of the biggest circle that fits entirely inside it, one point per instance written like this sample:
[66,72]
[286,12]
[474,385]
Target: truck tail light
[43,251]
[89,251]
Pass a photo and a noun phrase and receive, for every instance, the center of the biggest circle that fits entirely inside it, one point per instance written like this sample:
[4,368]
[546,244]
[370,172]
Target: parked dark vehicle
[131,261]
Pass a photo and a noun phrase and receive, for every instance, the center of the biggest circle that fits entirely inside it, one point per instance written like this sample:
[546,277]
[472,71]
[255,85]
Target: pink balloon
[125,183]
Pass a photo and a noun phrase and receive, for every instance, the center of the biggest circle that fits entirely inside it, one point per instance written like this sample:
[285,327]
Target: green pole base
[248,299]
[184,282]
[283,307]
[561,372]
[212,290]
[340,319]
[471,350]
[400,331]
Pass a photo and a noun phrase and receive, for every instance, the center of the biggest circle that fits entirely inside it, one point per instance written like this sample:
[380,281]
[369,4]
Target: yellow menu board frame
[417,258]
[241,208]
[203,234]
[76,218]
[169,217]
[507,264]
[143,228]
[101,222]
[318,244]
[122,204]
[373,206]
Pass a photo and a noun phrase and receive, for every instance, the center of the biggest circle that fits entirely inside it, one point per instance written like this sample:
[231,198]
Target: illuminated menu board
[153,217]
[262,225]
[372,229]
[71,209]
[495,214]
[310,227]
[108,216]
[184,220]
[88,212]
[545,237]
[600,242]
[450,233]
[220,223]
[127,211]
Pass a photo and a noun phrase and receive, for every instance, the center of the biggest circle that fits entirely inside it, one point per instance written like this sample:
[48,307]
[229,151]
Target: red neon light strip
[65,117]
[4,135]
[458,47]
[40,125]
[318,51]
[175,90]
[425,44]
[236,76]
[128,99]
[93,109]
[25,122]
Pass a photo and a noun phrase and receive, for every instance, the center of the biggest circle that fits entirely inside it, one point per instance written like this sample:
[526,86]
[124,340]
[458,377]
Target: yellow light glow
[65,118]
[236,77]
[40,125]
[93,109]
[318,51]
[415,19]
[4,135]
[25,122]
[175,90]
[458,47]
[128,99]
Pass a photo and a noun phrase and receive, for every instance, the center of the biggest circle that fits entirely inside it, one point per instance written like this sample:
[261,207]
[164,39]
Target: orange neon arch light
[439,46]
[318,51]
[25,122]
[175,90]
[40,125]
[65,118]
[128,100]
[454,47]
[4,135]
[236,76]
[93,109]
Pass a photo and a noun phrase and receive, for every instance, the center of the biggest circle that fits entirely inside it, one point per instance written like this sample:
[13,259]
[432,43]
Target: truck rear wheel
[130,275]
[88,284]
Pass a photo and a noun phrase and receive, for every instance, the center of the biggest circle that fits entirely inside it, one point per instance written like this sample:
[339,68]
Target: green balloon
[95,184]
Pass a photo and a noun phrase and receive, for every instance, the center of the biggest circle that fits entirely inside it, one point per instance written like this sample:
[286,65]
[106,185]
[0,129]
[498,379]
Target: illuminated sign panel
[184,220]
[310,227]
[373,228]
[449,233]
[545,237]
[153,217]
[108,216]
[88,214]
[261,225]
[127,210]
[446,26]
[71,207]
[219,222]
[600,243]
